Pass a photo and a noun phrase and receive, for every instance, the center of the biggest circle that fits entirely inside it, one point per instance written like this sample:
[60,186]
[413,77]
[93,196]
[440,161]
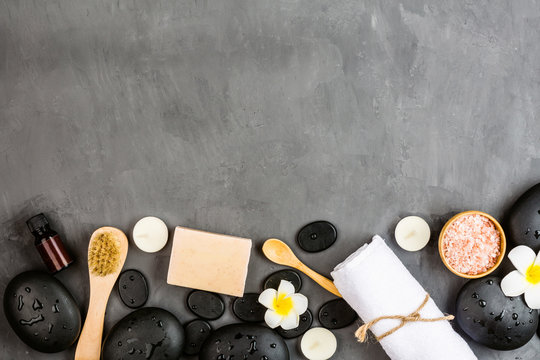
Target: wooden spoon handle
[89,346]
[326,283]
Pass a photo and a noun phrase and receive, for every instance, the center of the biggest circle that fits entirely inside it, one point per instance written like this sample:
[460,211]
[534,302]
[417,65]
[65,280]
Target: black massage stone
[336,314]
[317,236]
[146,333]
[306,319]
[523,220]
[274,279]
[248,308]
[132,288]
[205,304]
[42,312]
[197,331]
[492,319]
[244,342]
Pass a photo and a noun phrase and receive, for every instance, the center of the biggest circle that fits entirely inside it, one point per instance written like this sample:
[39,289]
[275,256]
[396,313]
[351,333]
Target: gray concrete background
[253,118]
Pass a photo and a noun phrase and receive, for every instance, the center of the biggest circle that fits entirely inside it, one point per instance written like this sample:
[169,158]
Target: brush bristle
[104,254]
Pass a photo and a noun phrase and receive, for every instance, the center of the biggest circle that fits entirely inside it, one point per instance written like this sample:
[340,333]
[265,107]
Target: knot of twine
[361,333]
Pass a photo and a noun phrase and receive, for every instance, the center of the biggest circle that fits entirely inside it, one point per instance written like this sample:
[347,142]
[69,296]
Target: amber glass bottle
[49,244]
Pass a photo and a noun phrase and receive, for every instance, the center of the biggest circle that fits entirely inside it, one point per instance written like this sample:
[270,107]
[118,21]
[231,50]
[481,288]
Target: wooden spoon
[89,346]
[277,251]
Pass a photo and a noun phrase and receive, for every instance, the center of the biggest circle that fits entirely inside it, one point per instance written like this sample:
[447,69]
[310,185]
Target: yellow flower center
[533,274]
[283,305]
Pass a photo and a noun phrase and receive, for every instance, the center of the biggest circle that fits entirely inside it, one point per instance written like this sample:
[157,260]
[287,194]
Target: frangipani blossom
[526,279]
[284,306]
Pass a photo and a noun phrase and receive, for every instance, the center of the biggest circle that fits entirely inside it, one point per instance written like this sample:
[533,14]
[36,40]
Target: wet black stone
[244,342]
[306,319]
[336,314]
[317,236]
[42,312]
[132,288]
[523,220]
[248,308]
[197,331]
[205,304]
[499,331]
[147,333]
[274,279]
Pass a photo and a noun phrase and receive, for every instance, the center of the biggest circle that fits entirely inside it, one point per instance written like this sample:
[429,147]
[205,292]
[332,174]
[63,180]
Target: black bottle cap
[35,223]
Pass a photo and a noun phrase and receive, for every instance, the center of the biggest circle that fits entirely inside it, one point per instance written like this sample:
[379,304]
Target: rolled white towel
[375,283]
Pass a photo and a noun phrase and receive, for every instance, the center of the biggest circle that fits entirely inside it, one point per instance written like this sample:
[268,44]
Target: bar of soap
[207,261]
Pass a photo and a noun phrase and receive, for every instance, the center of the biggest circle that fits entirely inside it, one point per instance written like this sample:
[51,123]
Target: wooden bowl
[497,226]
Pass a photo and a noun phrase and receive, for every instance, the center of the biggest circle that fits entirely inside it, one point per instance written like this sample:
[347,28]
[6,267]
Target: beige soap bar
[207,261]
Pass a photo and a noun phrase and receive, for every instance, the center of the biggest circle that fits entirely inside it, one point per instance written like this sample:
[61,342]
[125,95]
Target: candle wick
[411,234]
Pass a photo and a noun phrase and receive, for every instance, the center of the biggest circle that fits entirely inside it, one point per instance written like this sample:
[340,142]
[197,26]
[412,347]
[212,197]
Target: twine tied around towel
[361,333]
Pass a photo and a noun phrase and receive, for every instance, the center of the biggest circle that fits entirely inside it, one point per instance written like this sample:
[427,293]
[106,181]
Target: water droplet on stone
[475,296]
[482,303]
[37,305]
[119,343]
[50,327]
[273,346]
[325,314]
[515,316]
[27,289]
[55,308]
[304,318]
[489,282]
[252,347]
[32,321]
[131,351]
[21,303]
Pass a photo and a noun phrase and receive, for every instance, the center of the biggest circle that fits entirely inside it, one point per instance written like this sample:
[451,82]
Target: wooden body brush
[107,253]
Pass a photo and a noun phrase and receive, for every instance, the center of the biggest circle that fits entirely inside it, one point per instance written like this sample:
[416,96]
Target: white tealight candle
[412,233]
[318,344]
[150,234]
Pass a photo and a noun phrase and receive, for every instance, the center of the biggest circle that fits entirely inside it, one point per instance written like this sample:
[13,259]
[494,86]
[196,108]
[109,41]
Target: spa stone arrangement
[392,308]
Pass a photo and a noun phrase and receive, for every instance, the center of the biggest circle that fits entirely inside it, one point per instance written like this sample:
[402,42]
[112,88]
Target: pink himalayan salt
[471,244]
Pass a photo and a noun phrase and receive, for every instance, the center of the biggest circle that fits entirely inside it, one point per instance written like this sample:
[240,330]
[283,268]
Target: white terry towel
[375,283]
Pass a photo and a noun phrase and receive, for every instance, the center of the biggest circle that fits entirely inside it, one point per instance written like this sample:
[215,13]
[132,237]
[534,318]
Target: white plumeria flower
[526,279]
[284,306]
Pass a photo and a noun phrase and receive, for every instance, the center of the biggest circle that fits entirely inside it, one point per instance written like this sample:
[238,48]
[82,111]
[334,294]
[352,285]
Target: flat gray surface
[253,118]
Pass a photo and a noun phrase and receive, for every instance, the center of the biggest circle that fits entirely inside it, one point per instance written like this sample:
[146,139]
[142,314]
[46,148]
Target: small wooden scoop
[277,251]
[111,260]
